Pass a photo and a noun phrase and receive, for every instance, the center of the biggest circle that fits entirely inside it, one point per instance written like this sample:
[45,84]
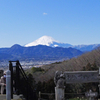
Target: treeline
[42,78]
[90,67]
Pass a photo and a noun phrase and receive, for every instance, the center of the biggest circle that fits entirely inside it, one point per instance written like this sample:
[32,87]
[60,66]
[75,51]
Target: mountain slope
[74,64]
[39,52]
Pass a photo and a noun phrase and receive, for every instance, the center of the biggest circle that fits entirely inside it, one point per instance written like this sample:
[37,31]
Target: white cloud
[44,13]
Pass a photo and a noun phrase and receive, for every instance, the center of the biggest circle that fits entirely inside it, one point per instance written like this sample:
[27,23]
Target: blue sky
[69,21]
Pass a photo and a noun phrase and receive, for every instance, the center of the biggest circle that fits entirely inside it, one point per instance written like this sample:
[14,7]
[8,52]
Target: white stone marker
[8,85]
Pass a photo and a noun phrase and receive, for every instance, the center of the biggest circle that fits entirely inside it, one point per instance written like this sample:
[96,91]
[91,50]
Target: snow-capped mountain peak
[49,41]
[44,40]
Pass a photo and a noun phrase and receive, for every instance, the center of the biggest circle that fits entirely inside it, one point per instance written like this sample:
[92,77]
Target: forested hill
[85,61]
[40,52]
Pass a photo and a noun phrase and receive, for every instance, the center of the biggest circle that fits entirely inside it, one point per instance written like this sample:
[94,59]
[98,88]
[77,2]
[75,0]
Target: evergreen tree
[88,67]
[94,66]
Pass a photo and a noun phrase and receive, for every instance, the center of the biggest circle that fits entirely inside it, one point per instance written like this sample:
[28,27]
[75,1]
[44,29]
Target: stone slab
[81,76]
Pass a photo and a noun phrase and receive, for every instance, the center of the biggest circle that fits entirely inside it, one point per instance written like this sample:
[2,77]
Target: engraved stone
[81,76]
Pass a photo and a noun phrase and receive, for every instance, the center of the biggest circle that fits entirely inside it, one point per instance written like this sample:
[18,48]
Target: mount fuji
[45,48]
[48,41]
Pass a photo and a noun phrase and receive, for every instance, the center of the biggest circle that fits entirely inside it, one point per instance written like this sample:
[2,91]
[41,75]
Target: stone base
[59,93]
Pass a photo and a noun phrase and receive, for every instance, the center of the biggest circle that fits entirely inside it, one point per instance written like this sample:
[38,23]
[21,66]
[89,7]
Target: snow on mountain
[49,41]
[44,40]
[86,47]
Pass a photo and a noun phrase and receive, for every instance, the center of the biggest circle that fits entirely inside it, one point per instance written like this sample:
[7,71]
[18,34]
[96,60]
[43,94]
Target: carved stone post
[60,88]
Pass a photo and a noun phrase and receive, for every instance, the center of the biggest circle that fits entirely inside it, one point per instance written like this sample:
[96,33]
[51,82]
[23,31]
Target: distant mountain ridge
[45,48]
[86,47]
[40,52]
[49,41]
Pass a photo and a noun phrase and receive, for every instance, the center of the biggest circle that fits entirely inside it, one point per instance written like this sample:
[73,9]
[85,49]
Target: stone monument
[59,80]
